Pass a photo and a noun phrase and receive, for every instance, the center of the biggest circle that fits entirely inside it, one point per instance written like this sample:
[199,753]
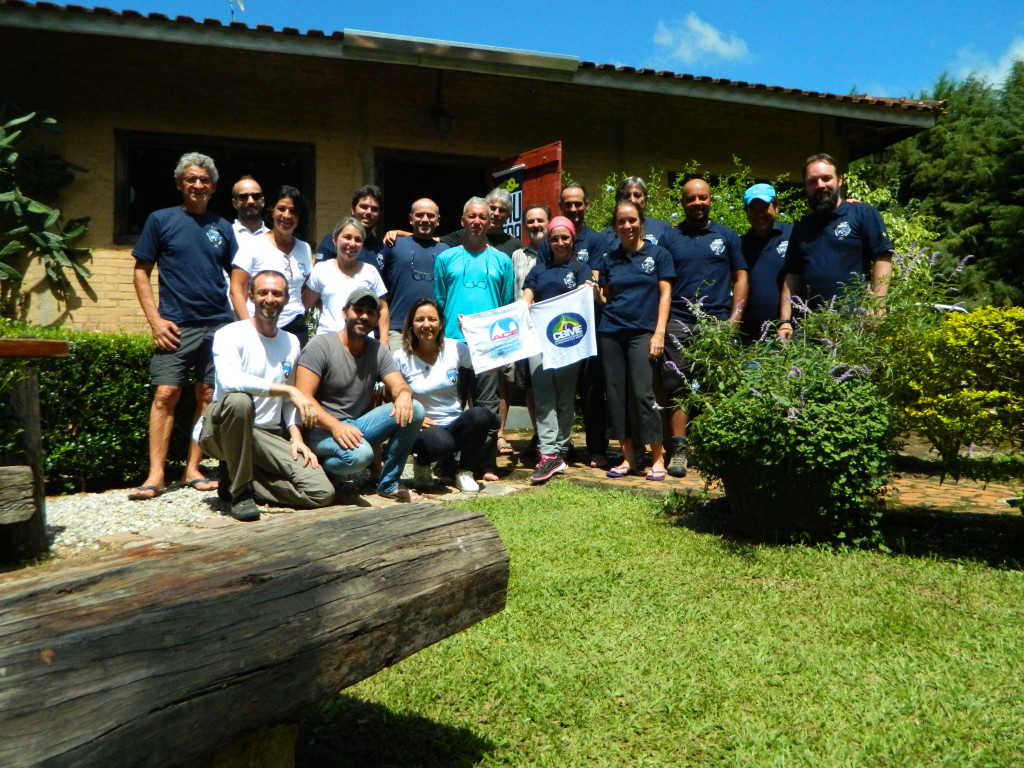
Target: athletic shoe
[678,463]
[464,482]
[547,468]
[422,476]
[244,508]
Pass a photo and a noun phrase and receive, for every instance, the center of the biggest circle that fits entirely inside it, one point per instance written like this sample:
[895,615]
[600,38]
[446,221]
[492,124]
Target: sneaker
[244,508]
[422,476]
[464,482]
[547,468]
[678,463]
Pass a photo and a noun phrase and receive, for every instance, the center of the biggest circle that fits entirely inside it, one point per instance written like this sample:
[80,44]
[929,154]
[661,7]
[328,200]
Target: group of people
[388,371]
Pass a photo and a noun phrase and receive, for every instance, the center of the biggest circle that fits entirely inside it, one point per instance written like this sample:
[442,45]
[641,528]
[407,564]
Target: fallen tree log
[159,654]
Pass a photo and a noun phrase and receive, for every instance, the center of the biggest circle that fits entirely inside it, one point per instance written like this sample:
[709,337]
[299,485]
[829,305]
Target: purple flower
[794,373]
[961,264]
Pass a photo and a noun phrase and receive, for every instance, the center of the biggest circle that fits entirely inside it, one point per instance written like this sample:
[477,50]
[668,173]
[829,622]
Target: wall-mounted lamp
[442,120]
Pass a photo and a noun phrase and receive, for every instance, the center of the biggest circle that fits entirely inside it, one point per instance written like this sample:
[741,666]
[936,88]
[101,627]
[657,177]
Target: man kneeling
[339,371]
[254,363]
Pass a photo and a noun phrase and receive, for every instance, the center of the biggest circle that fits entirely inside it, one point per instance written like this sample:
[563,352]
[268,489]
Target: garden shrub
[94,406]
[964,383]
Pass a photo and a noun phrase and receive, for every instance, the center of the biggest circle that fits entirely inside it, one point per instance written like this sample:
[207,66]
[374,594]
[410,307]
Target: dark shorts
[191,361]
[675,367]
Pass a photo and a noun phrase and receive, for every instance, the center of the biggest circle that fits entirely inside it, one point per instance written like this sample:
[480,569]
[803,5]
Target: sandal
[504,447]
[599,461]
[210,485]
[142,493]
[620,471]
[655,474]
[402,495]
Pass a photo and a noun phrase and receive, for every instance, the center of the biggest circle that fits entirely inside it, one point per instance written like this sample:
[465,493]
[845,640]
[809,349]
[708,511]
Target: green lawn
[632,641]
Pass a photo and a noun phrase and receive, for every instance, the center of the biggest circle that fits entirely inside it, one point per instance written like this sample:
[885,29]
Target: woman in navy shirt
[636,281]
[554,390]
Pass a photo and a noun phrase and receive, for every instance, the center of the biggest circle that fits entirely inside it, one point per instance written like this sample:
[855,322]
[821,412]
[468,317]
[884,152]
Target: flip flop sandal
[618,472]
[140,493]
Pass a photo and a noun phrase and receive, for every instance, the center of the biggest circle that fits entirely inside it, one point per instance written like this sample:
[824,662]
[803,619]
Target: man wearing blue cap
[764,250]
[837,245]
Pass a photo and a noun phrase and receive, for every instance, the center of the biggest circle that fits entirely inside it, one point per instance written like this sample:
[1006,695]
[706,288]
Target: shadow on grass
[993,540]
[349,731]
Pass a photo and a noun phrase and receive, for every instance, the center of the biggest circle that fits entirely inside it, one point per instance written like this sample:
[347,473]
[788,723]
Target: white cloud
[970,62]
[692,40]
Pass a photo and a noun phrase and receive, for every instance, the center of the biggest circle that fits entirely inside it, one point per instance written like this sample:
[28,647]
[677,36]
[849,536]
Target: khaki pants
[259,457]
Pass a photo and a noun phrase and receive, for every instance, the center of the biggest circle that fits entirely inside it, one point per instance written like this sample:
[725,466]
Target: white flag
[566,328]
[500,336]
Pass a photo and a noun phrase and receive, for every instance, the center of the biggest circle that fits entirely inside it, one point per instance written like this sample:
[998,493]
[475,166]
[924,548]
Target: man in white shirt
[247,198]
[255,363]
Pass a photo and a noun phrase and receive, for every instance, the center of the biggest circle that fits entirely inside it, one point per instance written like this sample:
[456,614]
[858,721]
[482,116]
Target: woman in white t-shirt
[431,366]
[283,250]
[333,280]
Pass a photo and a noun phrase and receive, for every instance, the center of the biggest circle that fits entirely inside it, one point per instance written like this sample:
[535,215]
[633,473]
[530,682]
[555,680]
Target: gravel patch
[88,522]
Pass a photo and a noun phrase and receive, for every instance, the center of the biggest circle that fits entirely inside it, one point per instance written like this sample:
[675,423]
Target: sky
[878,47]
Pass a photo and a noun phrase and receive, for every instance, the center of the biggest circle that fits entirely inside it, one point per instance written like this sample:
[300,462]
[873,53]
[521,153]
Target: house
[330,112]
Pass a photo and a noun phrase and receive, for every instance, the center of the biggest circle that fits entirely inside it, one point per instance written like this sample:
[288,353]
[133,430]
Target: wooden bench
[158,655]
[22,490]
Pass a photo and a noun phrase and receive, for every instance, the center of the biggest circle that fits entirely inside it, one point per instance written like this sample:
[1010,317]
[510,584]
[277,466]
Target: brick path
[908,491]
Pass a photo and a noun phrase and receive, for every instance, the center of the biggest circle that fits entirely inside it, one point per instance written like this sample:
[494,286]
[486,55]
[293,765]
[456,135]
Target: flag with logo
[565,327]
[500,336]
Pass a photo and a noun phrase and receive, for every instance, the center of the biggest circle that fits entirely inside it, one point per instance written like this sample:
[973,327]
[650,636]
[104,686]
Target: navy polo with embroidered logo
[835,249]
[704,260]
[633,277]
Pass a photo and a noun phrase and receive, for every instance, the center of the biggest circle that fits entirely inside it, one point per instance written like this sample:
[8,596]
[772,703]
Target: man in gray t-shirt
[339,371]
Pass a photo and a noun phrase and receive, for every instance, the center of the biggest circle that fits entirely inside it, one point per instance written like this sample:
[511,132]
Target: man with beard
[253,398]
[339,371]
[247,198]
[408,271]
[837,245]
[711,272]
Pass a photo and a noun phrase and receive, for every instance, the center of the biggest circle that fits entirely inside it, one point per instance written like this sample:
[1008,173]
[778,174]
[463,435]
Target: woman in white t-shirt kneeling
[431,367]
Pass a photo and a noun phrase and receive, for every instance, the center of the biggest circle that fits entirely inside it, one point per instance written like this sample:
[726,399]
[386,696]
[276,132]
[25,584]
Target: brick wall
[347,110]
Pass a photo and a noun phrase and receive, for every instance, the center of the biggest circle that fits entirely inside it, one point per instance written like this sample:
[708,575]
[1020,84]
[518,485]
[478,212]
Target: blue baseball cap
[764,192]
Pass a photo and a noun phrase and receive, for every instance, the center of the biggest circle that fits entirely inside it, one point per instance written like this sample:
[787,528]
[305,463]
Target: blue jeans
[377,426]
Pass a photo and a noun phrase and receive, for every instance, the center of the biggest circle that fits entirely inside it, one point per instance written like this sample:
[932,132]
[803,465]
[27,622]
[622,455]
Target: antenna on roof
[231,8]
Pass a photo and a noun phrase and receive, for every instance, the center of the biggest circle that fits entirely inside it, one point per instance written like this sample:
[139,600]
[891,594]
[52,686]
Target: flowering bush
[814,421]
[780,422]
[964,382]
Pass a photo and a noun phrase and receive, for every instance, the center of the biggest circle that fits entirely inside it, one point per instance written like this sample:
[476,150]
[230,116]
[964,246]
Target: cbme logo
[567,330]
[505,337]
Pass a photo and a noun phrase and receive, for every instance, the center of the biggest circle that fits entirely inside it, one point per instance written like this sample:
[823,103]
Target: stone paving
[909,493]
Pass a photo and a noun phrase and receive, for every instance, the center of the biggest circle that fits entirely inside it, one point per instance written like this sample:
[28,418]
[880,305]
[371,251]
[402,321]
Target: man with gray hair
[499,205]
[193,249]
[469,278]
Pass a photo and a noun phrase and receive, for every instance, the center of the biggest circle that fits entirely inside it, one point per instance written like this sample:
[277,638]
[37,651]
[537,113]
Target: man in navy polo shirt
[764,250]
[366,205]
[408,271]
[711,273]
[836,246]
[193,250]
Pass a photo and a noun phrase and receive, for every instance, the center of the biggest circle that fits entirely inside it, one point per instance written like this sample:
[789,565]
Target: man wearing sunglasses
[408,271]
[247,198]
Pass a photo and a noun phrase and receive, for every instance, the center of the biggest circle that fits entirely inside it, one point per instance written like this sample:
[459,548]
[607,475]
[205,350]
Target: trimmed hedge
[94,405]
